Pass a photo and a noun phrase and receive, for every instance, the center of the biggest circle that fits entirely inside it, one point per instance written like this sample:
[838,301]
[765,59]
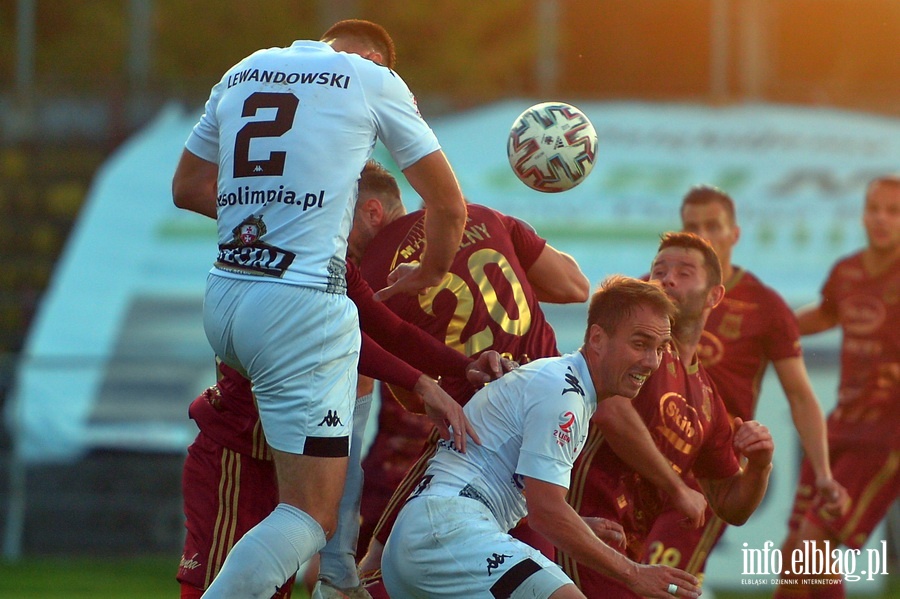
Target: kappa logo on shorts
[331,419]
[495,561]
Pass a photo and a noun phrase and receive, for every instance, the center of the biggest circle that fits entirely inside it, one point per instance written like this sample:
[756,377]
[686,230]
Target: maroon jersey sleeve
[379,364]
[399,337]
[527,242]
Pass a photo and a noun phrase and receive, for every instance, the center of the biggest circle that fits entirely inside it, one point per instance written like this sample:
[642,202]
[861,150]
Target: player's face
[881,217]
[682,274]
[712,223]
[632,353]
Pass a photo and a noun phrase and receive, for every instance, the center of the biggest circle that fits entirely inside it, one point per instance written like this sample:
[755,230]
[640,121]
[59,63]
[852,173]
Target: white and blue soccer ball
[552,147]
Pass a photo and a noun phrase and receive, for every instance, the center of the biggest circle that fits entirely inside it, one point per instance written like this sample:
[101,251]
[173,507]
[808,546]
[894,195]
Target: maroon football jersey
[868,310]
[751,327]
[484,302]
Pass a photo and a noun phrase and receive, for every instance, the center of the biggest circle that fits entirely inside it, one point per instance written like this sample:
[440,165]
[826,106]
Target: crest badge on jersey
[563,431]
[249,231]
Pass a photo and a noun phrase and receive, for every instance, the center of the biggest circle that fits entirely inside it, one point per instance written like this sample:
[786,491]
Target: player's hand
[754,441]
[407,278]
[488,366]
[692,504]
[833,496]
[655,581]
[608,531]
[446,414]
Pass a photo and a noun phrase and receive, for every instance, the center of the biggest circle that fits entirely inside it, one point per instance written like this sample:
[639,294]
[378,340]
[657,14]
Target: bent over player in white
[451,538]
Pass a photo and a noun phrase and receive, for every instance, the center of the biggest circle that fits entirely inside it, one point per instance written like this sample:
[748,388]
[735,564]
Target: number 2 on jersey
[285,105]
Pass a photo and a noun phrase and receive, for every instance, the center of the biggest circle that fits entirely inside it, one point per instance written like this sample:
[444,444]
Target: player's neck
[727,271]
[877,261]
[589,358]
[686,337]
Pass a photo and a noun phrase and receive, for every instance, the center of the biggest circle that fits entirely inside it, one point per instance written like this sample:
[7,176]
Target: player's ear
[371,211]
[597,338]
[715,296]
[375,57]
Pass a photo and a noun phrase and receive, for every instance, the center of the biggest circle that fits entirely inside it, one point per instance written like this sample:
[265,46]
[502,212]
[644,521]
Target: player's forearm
[379,364]
[445,215]
[570,534]
[557,278]
[628,436]
[810,424]
[194,185]
[813,319]
[735,499]
[443,232]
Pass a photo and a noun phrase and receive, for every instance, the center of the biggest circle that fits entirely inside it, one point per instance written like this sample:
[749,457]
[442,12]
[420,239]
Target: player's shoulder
[854,260]
[509,222]
[751,284]
[848,267]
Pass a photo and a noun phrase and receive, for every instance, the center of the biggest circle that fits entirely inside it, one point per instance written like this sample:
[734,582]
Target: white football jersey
[532,422]
[291,129]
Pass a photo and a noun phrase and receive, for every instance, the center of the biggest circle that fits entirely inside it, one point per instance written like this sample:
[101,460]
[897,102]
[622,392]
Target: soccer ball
[551,147]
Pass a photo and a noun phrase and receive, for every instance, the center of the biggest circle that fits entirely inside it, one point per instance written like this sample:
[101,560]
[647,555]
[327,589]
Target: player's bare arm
[628,436]
[734,499]
[194,184]
[557,278]
[810,424]
[446,414]
[813,319]
[551,516]
[434,181]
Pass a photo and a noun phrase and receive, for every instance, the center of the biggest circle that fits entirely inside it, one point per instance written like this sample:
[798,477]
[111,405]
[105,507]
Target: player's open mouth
[638,378]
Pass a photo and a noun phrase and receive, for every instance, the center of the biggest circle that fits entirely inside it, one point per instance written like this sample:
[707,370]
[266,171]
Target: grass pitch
[154,578]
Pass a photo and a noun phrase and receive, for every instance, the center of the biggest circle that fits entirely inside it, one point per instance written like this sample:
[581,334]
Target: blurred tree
[471,52]
[198,41]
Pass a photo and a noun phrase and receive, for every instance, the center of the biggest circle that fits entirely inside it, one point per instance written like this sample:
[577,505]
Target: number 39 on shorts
[659,554]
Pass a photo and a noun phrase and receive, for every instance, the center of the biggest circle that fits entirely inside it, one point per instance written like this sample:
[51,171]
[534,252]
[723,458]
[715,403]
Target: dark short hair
[368,33]
[703,195]
[691,241]
[376,180]
[618,296]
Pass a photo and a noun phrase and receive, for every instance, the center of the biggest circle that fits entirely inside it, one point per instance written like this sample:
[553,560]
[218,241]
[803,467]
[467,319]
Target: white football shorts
[453,547]
[300,349]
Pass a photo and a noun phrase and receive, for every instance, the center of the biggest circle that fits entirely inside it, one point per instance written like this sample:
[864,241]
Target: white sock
[269,554]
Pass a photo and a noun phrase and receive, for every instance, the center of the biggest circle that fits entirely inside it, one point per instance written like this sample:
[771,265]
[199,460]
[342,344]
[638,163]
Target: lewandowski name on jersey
[341,80]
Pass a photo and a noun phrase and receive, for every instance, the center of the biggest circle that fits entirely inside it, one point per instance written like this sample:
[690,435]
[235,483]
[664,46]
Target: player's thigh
[313,484]
[447,547]
[300,348]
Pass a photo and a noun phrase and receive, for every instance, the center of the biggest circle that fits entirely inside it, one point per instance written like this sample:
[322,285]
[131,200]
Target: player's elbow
[578,289]
[184,194]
